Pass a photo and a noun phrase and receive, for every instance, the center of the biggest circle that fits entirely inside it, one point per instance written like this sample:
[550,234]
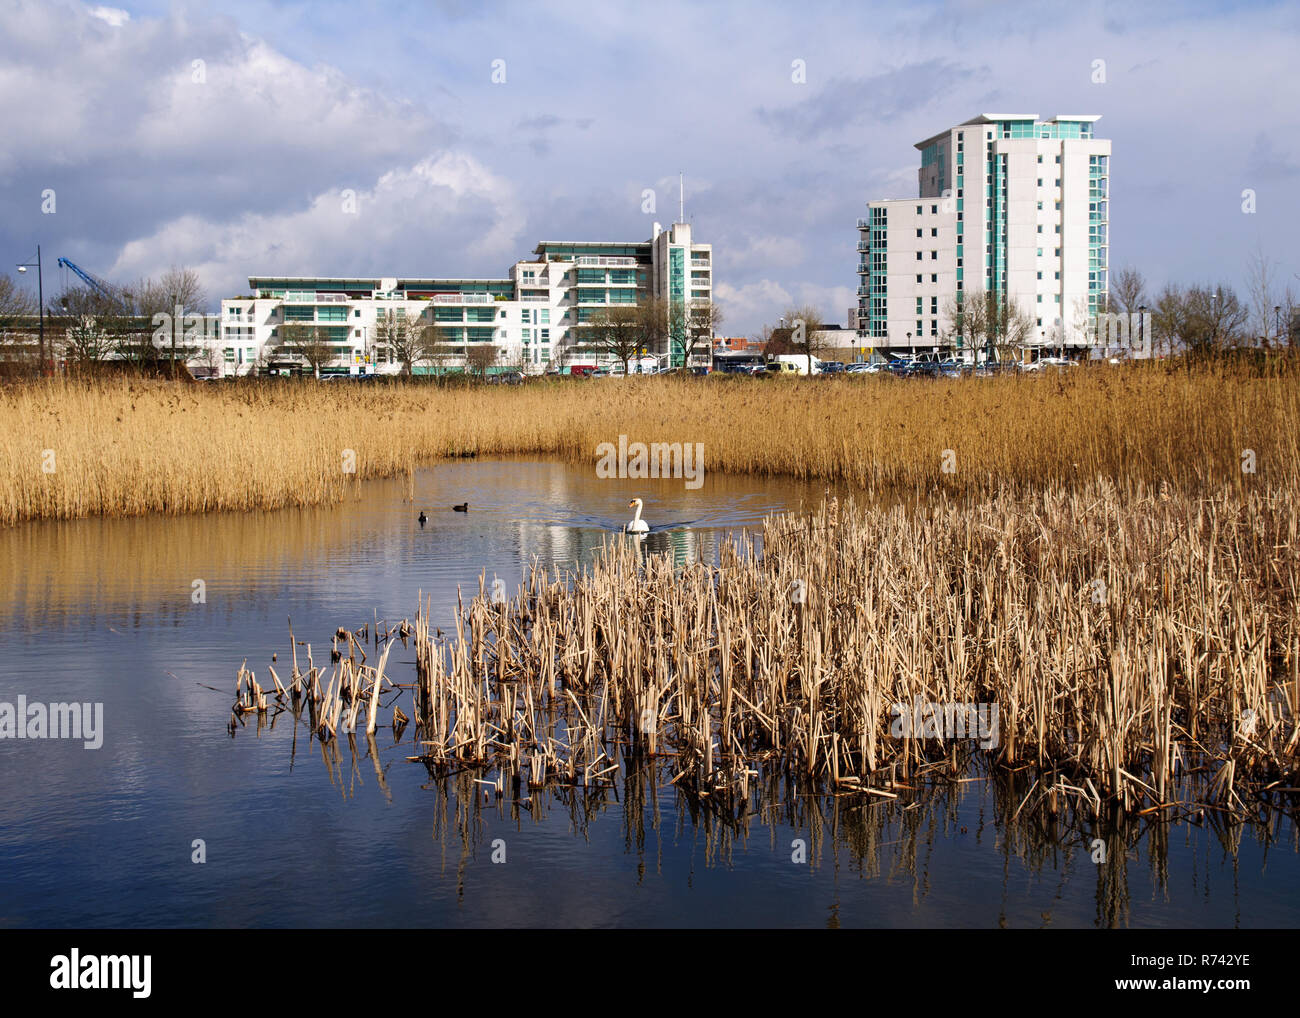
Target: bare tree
[434,345]
[987,319]
[1128,290]
[311,342]
[480,357]
[405,338]
[967,322]
[619,332]
[16,306]
[805,325]
[704,320]
[1200,319]
[89,336]
[1262,274]
[654,321]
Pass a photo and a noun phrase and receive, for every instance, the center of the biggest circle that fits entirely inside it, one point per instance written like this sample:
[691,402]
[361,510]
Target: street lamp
[1142,320]
[40,297]
[1277,322]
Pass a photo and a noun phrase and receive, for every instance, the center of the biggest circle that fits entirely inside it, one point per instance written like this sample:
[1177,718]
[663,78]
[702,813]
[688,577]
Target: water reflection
[103,610]
[958,851]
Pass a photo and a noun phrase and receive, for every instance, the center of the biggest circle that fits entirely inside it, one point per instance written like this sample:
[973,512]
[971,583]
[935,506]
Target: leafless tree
[1262,273]
[480,357]
[1128,290]
[90,323]
[619,332]
[16,306]
[311,342]
[1199,319]
[805,325]
[655,319]
[705,317]
[405,338]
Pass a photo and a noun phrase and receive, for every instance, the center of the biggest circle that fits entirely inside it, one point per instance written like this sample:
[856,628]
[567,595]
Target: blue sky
[243,171]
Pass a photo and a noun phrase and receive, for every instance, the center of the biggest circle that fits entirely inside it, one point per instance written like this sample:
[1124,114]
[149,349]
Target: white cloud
[752,304]
[445,212]
[114,16]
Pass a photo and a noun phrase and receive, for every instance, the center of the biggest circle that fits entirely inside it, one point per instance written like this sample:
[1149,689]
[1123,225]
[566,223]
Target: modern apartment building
[1006,204]
[539,316]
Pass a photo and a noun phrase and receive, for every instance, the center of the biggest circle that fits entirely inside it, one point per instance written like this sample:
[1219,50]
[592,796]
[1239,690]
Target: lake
[147,615]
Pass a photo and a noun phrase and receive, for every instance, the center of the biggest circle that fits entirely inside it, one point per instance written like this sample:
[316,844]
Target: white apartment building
[538,317]
[1006,204]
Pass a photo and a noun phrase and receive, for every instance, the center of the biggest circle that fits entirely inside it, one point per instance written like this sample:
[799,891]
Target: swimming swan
[637,525]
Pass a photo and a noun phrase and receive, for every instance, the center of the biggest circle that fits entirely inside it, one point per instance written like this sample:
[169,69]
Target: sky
[234,138]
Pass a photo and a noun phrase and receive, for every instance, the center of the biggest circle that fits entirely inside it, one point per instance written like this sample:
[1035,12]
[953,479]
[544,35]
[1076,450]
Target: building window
[934,277]
[918,256]
[934,232]
[918,232]
[918,210]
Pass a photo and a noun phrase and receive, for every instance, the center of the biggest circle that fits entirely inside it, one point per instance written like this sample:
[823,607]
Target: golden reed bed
[1135,648]
[117,447]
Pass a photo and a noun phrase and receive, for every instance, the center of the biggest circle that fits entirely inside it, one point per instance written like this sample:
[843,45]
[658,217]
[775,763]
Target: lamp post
[40,297]
[1142,319]
[1277,322]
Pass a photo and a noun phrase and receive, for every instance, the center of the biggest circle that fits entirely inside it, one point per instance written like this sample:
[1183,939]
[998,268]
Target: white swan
[637,525]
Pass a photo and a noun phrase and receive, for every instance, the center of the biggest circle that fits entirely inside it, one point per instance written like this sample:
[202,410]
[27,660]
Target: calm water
[102,611]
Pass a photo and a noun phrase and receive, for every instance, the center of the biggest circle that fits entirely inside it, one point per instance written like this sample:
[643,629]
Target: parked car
[780,368]
[832,368]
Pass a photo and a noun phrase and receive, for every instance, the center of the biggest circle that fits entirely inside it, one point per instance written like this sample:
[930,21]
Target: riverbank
[124,447]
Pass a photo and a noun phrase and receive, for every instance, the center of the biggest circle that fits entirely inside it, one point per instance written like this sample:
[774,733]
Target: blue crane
[104,289]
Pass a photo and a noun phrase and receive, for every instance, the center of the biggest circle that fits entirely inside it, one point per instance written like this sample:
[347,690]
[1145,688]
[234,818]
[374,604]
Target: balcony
[700,263]
[462,298]
[535,298]
[593,260]
[864,245]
